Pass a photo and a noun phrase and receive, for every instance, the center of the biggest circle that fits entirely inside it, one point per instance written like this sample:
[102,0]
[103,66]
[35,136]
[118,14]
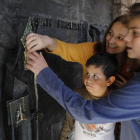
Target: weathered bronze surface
[27,31]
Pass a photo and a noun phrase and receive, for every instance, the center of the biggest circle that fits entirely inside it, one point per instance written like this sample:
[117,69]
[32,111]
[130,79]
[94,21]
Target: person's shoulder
[82,91]
[88,44]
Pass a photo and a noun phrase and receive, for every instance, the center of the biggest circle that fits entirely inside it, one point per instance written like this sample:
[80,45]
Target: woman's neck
[121,59]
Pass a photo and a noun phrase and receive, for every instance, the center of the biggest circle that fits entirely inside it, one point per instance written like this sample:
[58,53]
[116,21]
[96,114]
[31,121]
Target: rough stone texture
[116,10]
[120,6]
[78,11]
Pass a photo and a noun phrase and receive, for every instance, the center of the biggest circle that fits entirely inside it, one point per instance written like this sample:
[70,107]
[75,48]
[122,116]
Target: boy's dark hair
[105,60]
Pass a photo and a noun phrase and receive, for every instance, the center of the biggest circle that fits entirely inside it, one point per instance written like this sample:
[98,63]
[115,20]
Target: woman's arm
[70,52]
[37,42]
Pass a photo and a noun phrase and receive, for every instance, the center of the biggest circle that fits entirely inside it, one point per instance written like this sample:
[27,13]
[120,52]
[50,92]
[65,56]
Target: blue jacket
[121,105]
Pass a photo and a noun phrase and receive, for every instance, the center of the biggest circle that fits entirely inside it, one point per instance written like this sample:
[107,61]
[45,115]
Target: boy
[100,73]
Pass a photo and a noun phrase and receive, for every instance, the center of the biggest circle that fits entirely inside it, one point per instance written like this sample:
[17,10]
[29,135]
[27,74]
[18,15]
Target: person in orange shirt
[113,43]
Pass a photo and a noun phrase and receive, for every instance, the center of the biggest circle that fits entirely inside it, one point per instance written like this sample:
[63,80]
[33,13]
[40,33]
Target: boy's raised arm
[120,105]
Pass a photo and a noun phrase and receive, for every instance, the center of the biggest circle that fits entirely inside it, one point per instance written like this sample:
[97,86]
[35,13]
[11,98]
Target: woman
[121,105]
[113,43]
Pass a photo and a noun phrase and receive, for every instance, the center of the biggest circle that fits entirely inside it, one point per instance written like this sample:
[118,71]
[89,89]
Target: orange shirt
[75,52]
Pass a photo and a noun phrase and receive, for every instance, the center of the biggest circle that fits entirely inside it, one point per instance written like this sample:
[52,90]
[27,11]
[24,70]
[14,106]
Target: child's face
[95,81]
[133,39]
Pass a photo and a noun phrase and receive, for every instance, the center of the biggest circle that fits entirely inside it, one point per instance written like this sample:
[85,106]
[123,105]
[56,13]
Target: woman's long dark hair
[134,11]
[101,46]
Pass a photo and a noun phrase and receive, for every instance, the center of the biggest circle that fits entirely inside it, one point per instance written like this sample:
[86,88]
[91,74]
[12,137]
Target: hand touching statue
[37,42]
[36,62]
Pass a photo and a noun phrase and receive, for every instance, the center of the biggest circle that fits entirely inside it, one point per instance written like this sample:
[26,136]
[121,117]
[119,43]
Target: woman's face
[133,39]
[115,38]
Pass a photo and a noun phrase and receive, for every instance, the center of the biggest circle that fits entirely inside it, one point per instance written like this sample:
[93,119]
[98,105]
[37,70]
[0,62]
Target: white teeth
[112,46]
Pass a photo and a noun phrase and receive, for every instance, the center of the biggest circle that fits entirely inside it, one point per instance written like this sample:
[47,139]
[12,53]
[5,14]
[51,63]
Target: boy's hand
[36,62]
[37,42]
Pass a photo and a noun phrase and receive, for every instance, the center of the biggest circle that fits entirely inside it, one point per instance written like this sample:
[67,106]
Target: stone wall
[120,6]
